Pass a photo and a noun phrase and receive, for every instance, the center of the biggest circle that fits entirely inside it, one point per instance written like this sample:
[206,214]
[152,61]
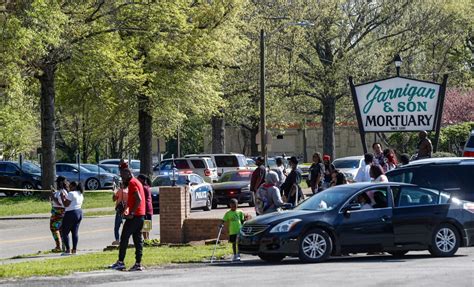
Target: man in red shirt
[134,216]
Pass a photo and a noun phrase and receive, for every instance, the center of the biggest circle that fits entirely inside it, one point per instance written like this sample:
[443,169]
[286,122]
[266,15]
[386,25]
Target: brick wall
[173,211]
[196,229]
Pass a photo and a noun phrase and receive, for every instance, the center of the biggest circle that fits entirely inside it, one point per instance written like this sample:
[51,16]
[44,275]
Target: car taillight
[469,206]
[207,172]
[468,154]
[185,172]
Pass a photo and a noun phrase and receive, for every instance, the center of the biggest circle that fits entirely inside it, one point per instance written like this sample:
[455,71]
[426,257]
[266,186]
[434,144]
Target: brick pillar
[173,211]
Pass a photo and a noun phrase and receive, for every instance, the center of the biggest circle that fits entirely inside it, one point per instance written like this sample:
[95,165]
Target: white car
[202,166]
[349,165]
[225,161]
[469,147]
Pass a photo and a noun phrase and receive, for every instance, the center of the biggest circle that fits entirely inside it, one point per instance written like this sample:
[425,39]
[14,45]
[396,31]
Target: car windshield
[346,163]
[135,164]
[236,176]
[111,169]
[166,181]
[94,168]
[251,162]
[327,199]
[30,167]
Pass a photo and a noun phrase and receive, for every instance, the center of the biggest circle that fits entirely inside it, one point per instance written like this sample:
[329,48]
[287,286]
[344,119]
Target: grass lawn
[21,205]
[152,256]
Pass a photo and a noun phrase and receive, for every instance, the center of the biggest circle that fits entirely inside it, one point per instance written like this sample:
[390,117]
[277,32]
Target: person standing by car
[291,187]
[425,148]
[57,211]
[120,197]
[328,169]
[281,171]
[268,197]
[258,176]
[316,173]
[133,221]
[146,182]
[363,173]
[73,216]
[404,159]
[379,158]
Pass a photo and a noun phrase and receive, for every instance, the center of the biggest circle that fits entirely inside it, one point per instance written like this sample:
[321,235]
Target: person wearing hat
[291,187]
[316,172]
[328,169]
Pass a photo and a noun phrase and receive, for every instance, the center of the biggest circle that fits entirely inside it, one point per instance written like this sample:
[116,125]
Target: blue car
[91,180]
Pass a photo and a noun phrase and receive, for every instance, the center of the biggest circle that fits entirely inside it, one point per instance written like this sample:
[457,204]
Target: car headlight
[285,226]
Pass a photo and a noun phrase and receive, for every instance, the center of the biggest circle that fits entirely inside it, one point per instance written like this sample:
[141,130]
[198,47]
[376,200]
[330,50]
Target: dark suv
[12,176]
[454,175]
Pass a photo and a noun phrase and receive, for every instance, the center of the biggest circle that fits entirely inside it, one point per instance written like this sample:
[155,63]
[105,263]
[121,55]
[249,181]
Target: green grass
[152,256]
[22,205]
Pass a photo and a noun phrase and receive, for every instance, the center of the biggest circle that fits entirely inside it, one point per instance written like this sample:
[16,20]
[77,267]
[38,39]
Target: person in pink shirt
[120,197]
[146,182]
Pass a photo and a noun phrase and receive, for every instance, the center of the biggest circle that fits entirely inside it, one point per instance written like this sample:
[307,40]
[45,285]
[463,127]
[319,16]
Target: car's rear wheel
[271,258]
[398,254]
[92,184]
[445,241]
[208,206]
[315,246]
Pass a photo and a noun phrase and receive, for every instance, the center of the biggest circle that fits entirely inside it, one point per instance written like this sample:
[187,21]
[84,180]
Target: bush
[443,154]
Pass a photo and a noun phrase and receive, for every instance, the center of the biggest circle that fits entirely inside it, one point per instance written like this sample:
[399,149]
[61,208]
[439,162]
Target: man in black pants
[135,216]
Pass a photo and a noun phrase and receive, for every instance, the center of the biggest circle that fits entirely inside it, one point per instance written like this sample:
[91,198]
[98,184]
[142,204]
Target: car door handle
[385,218]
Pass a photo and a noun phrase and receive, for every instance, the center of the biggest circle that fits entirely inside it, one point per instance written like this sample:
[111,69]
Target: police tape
[26,190]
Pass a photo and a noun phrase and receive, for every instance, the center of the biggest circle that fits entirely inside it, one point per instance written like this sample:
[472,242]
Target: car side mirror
[351,207]
[287,206]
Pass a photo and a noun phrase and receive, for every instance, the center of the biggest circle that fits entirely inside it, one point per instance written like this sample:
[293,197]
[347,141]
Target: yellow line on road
[46,237]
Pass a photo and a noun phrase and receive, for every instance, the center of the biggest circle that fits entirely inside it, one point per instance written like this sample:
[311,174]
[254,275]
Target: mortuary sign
[397,104]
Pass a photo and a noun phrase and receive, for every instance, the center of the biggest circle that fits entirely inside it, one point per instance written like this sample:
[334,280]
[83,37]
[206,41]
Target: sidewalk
[48,215]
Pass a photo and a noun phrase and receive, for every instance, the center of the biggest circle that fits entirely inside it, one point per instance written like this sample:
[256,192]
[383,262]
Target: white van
[225,161]
[203,166]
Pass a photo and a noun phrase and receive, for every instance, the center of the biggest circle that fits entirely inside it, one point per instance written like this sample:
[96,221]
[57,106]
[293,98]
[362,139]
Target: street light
[263,124]
[398,62]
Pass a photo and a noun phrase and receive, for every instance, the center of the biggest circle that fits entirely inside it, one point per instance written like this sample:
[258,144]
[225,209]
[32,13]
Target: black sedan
[363,217]
[233,184]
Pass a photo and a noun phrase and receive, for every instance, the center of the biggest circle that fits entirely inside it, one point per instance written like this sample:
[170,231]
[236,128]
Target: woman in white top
[73,216]
[57,211]
[376,172]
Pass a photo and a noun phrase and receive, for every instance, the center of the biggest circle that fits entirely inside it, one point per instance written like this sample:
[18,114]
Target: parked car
[225,162]
[469,146]
[335,221]
[134,164]
[90,180]
[349,165]
[202,166]
[200,192]
[28,176]
[454,175]
[251,165]
[99,171]
[111,168]
[233,184]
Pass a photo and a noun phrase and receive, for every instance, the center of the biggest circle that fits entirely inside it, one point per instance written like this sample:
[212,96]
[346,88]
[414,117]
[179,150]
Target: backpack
[262,203]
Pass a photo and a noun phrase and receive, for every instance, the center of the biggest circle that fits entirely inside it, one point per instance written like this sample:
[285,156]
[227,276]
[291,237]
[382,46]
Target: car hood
[230,185]
[279,216]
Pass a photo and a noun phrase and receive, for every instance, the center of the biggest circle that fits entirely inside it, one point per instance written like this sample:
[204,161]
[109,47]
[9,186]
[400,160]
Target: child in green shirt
[235,218]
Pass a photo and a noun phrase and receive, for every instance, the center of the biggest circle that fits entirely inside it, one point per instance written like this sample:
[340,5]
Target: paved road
[416,269]
[25,236]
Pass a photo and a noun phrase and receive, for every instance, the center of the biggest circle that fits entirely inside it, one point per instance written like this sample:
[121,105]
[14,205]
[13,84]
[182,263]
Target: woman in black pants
[73,216]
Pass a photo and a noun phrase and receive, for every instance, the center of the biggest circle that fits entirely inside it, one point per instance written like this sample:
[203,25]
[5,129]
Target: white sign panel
[398,104]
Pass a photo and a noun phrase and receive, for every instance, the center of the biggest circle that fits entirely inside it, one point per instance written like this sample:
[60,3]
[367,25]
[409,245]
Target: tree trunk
[48,144]
[218,134]
[145,121]
[329,123]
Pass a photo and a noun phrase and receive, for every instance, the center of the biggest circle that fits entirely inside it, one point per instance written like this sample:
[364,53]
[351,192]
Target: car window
[166,165]
[413,196]
[437,177]
[181,164]
[111,162]
[198,163]
[135,164]
[470,142]
[226,161]
[372,198]
[346,163]
[10,168]
[31,167]
[326,200]
[196,179]
[236,176]
[2,167]
[210,163]
[166,181]
[400,176]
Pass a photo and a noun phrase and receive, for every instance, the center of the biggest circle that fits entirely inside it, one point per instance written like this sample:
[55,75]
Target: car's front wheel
[271,258]
[315,246]
[26,189]
[208,205]
[445,241]
[92,184]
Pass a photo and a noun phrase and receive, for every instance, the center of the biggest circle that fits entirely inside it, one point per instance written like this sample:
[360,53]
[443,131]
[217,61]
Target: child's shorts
[233,238]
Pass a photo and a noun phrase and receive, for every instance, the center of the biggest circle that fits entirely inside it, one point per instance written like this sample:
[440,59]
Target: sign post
[398,104]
